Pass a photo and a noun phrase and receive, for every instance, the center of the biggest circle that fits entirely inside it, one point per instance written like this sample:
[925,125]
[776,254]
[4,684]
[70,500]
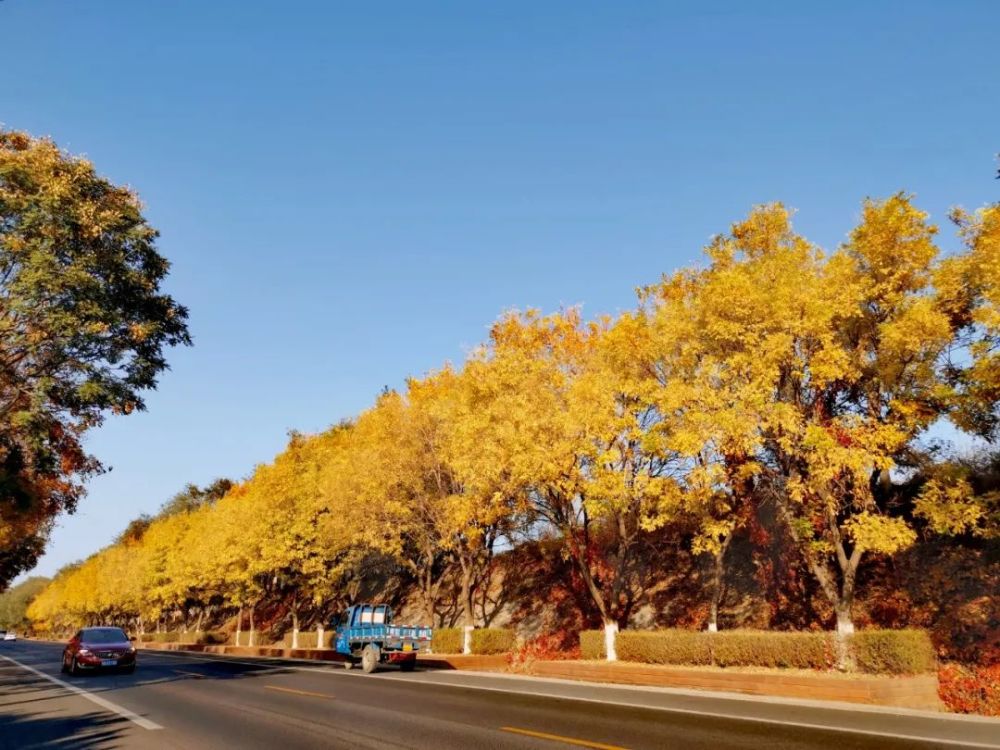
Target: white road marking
[625,704]
[102,702]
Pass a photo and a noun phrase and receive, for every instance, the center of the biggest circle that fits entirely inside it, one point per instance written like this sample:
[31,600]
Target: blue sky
[351,193]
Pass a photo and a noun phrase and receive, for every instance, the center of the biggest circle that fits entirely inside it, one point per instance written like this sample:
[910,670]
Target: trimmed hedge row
[492,640]
[484,640]
[894,651]
[874,651]
[446,641]
[307,639]
[192,636]
[592,644]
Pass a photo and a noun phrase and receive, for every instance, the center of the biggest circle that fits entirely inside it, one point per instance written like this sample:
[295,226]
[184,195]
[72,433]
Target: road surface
[201,701]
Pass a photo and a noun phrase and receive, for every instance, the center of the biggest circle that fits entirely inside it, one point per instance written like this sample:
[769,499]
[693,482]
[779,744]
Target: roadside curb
[484,663]
[915,692]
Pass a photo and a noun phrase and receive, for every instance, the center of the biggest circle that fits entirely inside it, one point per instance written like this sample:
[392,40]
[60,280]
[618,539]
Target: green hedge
[894,651]
[307,639]
[446,641]
[592,644]
[873,651]
[664,647]
[761,648]
[492,640]
[484,640]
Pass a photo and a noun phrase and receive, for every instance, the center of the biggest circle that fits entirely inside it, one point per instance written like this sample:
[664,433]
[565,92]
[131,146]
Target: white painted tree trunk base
[713,627]
[610,636]
[320,635]
[467,639]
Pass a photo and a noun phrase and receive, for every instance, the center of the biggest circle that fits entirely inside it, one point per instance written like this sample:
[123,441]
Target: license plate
[109,662]
[407,647]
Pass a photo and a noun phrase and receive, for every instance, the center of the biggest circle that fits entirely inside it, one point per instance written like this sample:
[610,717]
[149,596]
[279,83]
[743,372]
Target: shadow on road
[93,731]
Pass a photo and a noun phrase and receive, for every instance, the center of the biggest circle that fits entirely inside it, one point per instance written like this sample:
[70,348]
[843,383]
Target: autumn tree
[14,602]
[834,365]
[572,421]
[83,330]
[476,506]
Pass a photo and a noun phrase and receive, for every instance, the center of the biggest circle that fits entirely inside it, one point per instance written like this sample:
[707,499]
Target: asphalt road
[200,701]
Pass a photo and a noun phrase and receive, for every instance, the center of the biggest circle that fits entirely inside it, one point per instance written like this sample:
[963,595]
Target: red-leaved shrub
[970,690]
[545,647]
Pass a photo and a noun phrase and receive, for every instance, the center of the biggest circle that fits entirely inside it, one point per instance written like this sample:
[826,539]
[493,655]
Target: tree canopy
[778,383]
[84,328]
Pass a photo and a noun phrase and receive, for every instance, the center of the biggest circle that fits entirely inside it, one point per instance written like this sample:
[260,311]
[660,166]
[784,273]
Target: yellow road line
[560,738]
[298,692]
[196,675]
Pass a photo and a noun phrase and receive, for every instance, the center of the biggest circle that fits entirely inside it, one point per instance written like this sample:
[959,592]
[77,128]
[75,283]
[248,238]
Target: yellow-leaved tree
[833,363]
[571,418]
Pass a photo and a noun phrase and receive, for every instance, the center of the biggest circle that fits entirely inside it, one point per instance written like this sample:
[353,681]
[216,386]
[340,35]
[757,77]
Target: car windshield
[105,635]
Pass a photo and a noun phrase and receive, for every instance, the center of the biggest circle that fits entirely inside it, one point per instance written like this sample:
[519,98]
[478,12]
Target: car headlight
[84,652]
[131,649]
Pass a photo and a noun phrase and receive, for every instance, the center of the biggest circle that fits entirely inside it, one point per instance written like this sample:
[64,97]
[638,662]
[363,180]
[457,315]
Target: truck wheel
[369,658]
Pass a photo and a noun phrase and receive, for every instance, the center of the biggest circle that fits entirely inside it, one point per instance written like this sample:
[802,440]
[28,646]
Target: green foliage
[493,640]
[193,497]
[14,603]
[446,641]
[83,330]
[664,647]
[592,644]
[893,651]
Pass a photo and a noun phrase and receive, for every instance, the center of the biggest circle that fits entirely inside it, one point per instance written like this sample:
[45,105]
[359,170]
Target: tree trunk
[253,632]
[295,629]
[468,613]
[718,571]
[201,617]
[239,625]
[839,590]
[610,638]
[610,623]
[320,634]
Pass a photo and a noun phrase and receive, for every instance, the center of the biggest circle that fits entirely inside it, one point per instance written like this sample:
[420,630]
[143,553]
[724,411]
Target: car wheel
[62,667]
[73,668]
[369,658]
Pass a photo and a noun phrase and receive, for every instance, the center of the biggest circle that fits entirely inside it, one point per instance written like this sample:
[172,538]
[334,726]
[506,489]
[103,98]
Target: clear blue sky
[351,193]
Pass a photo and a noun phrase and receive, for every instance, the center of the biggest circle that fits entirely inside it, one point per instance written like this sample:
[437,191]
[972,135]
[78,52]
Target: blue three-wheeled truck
[365,634]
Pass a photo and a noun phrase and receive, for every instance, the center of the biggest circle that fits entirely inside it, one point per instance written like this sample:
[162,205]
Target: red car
[99,648]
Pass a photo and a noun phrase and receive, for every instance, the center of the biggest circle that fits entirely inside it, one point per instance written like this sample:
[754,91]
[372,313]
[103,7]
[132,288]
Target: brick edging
[917,691]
